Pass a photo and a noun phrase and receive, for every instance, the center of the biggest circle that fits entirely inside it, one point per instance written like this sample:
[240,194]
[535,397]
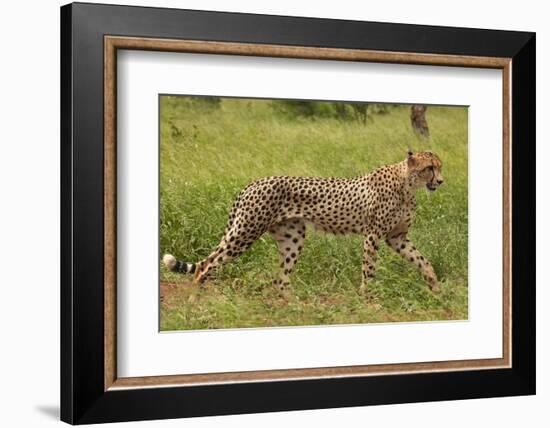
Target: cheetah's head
[426,167]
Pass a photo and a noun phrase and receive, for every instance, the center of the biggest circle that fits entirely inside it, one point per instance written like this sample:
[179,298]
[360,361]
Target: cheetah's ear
[412,162]
[409,153]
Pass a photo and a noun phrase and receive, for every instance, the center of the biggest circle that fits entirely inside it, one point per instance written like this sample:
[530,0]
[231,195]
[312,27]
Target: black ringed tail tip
[175,265]
[183,267]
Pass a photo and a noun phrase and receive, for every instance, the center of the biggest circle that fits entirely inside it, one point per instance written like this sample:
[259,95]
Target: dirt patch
[171,289]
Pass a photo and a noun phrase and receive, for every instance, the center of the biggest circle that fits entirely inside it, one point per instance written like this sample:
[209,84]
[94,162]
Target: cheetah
[379,205]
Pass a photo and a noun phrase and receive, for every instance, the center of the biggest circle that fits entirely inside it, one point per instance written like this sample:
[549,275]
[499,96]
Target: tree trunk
[418,120]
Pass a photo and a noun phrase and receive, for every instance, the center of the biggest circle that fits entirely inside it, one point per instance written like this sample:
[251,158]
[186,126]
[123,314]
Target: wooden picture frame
[91,390]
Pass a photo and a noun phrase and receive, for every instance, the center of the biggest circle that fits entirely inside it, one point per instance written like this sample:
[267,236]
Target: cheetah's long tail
[175,265]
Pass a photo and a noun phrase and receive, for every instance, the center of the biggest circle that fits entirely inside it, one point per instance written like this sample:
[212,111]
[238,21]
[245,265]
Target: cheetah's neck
[409,181]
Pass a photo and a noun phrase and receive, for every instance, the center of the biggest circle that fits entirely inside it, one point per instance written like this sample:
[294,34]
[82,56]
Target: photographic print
[277,212]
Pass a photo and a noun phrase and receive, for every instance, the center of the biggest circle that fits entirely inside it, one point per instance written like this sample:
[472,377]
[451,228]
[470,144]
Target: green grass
[209,154]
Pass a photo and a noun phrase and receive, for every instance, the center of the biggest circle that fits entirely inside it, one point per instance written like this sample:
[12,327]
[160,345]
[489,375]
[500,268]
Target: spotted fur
[379,205]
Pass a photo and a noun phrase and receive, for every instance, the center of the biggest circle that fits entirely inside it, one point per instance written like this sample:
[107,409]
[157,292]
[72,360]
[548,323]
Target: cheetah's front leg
[370,248]
[408,251]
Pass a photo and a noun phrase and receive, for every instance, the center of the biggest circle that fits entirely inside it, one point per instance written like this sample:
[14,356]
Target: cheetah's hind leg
[233,244]
[290,235]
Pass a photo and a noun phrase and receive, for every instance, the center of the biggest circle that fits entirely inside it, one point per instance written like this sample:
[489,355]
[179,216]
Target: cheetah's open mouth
[431,187]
